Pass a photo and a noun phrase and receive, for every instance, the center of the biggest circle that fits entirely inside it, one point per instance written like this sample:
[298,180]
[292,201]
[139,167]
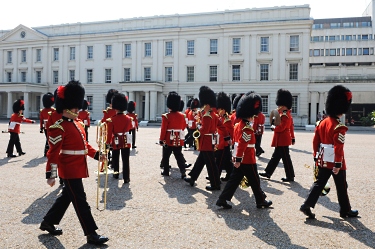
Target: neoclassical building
[235,51]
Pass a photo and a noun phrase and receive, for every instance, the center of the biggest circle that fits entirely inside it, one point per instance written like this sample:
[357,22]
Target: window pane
[264,70]
[190,74]
[265,104]
[295,105]
[293,72]
[168,74]
[128,53]
[213,73]
[108,51]
[190,47]
[147,71]
[126,74]
[108,76]
[236,48]
[236,73]
[213,46]
[168,48]
[89,75]
[294,43]
[90,51]
[264,44]
[147,49]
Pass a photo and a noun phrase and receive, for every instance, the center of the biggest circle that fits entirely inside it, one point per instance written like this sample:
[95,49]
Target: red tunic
[44,116]
[244,138]
[134,116]
[192,122]
[15,122]
[117,126]
[227,122]
[209,125]
[108,113]
[172,129]
[330,132]
[234,118]
[259,121]
[53,117]
[68,136]
[84,115]
[282,135]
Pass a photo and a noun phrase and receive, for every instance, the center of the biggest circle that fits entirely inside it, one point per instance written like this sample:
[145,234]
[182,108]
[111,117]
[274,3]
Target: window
[264,71]
[366,51]
[72,74]
[55,54]
[315,38]
[108,76]
[126,74]
[9,77]
[89,75]
[55,77]
[190,47]
[332,52]
[23,76]
[264,104]
[360,51]
[168,48]
[331,38]
[348,38]
[147,73]
[168,74]
[9,57]
[295,105]
[213,46]
[322,52]
[147,49]
[293,71]
[23,55]
[38,55]
[317,26]
[348,24]
[310,52]
[190,74]
[128,50]
[236,46]
[364,37]
[213,73]
[264,44]
[343,52]
[334,25]
[348,51]
[327,52]
[236,72]
[72,54]
[294,43]
[90,52]
[354,51]
[108,51]
[90,99]
[316,52]
[38,76]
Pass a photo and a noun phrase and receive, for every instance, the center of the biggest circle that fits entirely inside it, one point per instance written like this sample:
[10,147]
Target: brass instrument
[196,135]
[244,183]
[327,187]
[101,138]
[275,118]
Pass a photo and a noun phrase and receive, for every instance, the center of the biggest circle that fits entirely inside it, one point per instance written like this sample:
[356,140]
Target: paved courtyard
[165,212]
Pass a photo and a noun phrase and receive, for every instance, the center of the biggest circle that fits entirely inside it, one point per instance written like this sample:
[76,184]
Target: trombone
[101,139]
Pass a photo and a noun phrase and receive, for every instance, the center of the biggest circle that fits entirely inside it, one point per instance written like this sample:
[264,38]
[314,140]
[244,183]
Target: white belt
[326,145]
[209,134]
[174,130]
[119,134]
[45,120]
[251,146]
[74,152]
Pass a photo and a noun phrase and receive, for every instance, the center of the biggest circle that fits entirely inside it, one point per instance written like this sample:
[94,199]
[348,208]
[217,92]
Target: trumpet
[101,138]
[244,183]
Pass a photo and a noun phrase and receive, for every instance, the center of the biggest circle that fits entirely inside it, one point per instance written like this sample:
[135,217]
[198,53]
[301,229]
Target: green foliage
[369,120]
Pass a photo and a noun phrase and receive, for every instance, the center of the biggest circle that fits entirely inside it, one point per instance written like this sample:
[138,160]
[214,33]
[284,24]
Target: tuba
[197,133]
[275,118]
[101,138]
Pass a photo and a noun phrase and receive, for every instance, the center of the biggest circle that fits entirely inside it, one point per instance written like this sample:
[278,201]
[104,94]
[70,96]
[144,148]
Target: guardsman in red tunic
[84,116]
[109,112]
[258,126]
[134,116]
[328,148]
[14,128]
[68,152]
[172,134]
[233,116]
[118,136]
[283,136]
[192,122]
[223,155]
[48,100]
[244,154]
[207,141]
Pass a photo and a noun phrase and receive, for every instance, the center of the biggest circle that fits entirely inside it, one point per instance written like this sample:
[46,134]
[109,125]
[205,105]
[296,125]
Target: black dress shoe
[115,176]
[287,179]
[11,155]
[190,181]
[264,174]
[264,204]
[187,165]
[224,179]
[211,188]
[21,153]
[351,213]
[207,178]
[134,146]
[183,176]
[126,181]
[164,174]
[307,211]
[52,229]
[96,239]
[223,204]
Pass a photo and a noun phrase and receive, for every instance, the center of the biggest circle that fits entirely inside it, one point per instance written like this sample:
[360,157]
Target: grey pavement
[165,212]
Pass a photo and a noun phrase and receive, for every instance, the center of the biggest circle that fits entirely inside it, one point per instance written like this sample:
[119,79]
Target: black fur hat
[236,99]
[194,103]
[119,102]
[85,104]
[173,101]
[109,96]
[207,96]
[338,100]
[223,102]
[131,106]
[18,105]
[284,98]
[249,105]
[188,104]
[70,96]
[182,104]
[48,100]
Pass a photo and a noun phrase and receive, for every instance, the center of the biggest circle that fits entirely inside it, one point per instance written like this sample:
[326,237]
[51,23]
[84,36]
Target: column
[321,102]
[147,105]
[153,105]
[26,101]
[313,100]
[10,105]
[131,96]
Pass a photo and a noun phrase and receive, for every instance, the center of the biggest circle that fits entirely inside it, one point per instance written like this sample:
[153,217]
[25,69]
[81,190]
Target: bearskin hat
[188,104]
[131,106]
[338,100]
[109,96]
[236,99]
[182,104]
[70,96]
[284,98]
[207,96]
[48,100]
[119,102]
[85,104]
[173,101]
[223,102]
[194,103]
[249,105]
[18,105]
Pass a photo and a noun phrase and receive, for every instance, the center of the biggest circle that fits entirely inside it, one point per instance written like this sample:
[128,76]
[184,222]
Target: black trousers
[189,140]
[251,173]
[206,158]
[224,160]
[14,140]
[125,153]
[341,188]
[72,192]
[46,146]
[177,152]
[258,141]
[87,132]
[132,131]
[281,152]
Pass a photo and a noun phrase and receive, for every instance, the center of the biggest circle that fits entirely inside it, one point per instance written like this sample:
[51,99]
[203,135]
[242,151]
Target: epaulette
[165,115]
[82,124]
[285,113]
[248,126]
[136,114]
[57,124]
[108,120]
[40,110]
[53,108]
[226,118]
[50,113]
[105,111]
[318,123]
[207,114]
[340,125]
